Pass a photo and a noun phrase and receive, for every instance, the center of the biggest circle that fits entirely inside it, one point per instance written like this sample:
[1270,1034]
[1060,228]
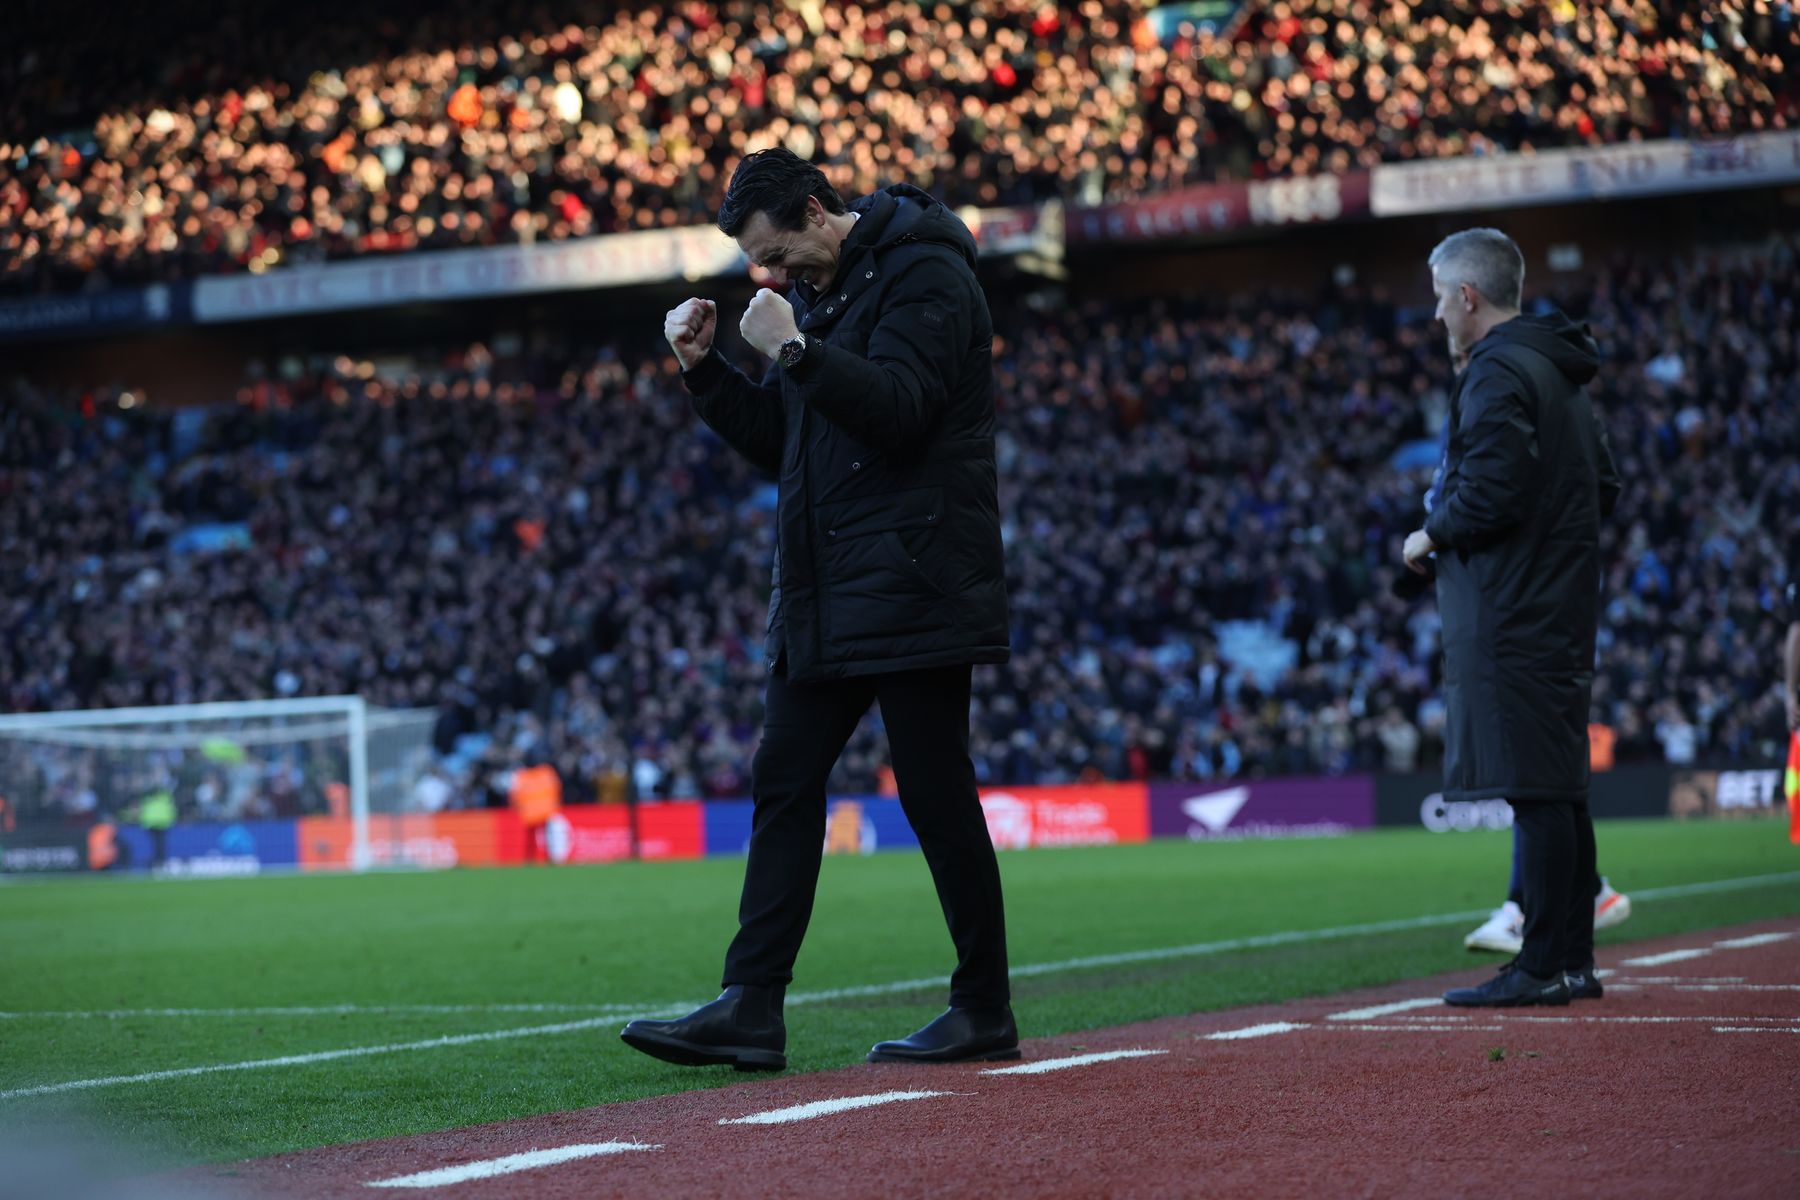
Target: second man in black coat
[1516,534]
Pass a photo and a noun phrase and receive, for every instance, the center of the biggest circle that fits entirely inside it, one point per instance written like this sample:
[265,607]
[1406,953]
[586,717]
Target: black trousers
[805,728]
[1556,864]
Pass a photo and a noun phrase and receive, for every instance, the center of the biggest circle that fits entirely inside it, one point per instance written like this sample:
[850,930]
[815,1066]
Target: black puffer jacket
[1529,477]
[888,553]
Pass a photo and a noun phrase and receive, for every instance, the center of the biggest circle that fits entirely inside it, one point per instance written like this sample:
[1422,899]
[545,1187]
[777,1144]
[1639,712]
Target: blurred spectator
[462,124]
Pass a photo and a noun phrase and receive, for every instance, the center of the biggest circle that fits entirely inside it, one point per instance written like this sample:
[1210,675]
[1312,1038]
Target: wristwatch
[792,351]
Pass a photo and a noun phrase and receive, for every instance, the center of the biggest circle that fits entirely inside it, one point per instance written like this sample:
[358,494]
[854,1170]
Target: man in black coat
[1515,531]
[877,418]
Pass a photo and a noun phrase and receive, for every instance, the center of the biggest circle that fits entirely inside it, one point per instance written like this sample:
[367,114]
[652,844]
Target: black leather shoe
[741,1029]
[1512,988]
[959,1035]
[1583,985]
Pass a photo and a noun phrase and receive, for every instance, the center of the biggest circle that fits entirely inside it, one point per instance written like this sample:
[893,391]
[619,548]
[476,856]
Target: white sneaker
[1503,933]
[1610,907]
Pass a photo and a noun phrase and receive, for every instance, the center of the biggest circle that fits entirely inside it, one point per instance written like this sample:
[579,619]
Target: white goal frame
[354,711]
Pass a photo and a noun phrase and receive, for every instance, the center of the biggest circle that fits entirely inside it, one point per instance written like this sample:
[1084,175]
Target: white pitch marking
[512,1163]
[1667,956]
[323,1010]
[1255,1031]
[900,987]
[1755,939]
[1670,979]
[298,1060]
[1632,1020]
[1265,940]
[1386,1010]
[1753,1029]
[1063,1064]
[1414,1028]
[1736,987]
[825,1108]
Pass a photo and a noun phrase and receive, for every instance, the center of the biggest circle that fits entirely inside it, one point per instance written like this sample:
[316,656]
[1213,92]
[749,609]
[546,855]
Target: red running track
[1683,1081]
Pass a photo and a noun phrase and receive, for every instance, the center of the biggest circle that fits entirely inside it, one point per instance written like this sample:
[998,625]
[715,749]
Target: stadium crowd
[458,125]
[1202,528]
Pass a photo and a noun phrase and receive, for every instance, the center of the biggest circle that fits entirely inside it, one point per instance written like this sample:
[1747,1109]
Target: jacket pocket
[874,586]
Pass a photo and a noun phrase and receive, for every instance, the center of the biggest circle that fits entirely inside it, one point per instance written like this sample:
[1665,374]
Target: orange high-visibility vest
[1600,747]
[536,793]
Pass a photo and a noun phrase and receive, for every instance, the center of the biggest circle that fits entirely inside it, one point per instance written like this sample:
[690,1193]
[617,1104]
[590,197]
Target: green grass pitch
[644,936]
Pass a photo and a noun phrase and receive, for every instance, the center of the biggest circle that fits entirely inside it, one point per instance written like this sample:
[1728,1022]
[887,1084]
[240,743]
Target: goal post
[227,761]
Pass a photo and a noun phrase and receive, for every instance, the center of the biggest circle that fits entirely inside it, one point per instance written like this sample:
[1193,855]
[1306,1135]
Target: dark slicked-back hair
[776,182]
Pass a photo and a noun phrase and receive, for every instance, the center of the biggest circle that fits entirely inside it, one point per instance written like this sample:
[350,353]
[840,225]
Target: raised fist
[768,322]
[689,327]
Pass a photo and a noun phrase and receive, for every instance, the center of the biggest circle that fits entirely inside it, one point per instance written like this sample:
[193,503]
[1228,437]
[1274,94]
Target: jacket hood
[905,213]
[1567,345]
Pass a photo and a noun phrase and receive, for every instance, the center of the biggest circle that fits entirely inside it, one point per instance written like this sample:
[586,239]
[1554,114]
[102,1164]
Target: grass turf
[648,937]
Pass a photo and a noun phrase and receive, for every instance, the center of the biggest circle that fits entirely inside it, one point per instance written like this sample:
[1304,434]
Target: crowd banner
[235,848]
[1584,173]
[866,824]
[119,310]
[375,281]
[601,833]
[1632,790]
[1327,806]
[1755,792]
[51,849]
[727,827]
[1075,814]
[605,261]
[853,825]
[1221,208]
[1027,230]
[472,838]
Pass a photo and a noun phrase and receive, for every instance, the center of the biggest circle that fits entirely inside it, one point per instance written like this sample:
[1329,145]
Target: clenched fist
[768,322]
[689,327]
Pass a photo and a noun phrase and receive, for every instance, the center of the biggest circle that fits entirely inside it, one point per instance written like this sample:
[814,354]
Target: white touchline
[299,1060]
[825,1108]
[1194,950]
[1383,1010]
[1062,1064]
[1753,1029]
[1667,956]
[1634,1020]
[1255,1031]
[321,1010]
[488,1168]
[1265,940]
[1414,1028]
[1755,939]
[1666,979]
[1736,987]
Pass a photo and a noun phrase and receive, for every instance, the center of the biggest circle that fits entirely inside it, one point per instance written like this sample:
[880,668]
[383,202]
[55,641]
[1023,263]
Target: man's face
[808,253]
[1455,308]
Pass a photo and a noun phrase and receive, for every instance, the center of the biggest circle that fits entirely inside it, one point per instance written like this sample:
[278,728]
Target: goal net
[233,764]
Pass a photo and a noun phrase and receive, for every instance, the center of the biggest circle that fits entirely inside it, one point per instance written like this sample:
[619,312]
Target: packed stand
[1201,516]
[625,118]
